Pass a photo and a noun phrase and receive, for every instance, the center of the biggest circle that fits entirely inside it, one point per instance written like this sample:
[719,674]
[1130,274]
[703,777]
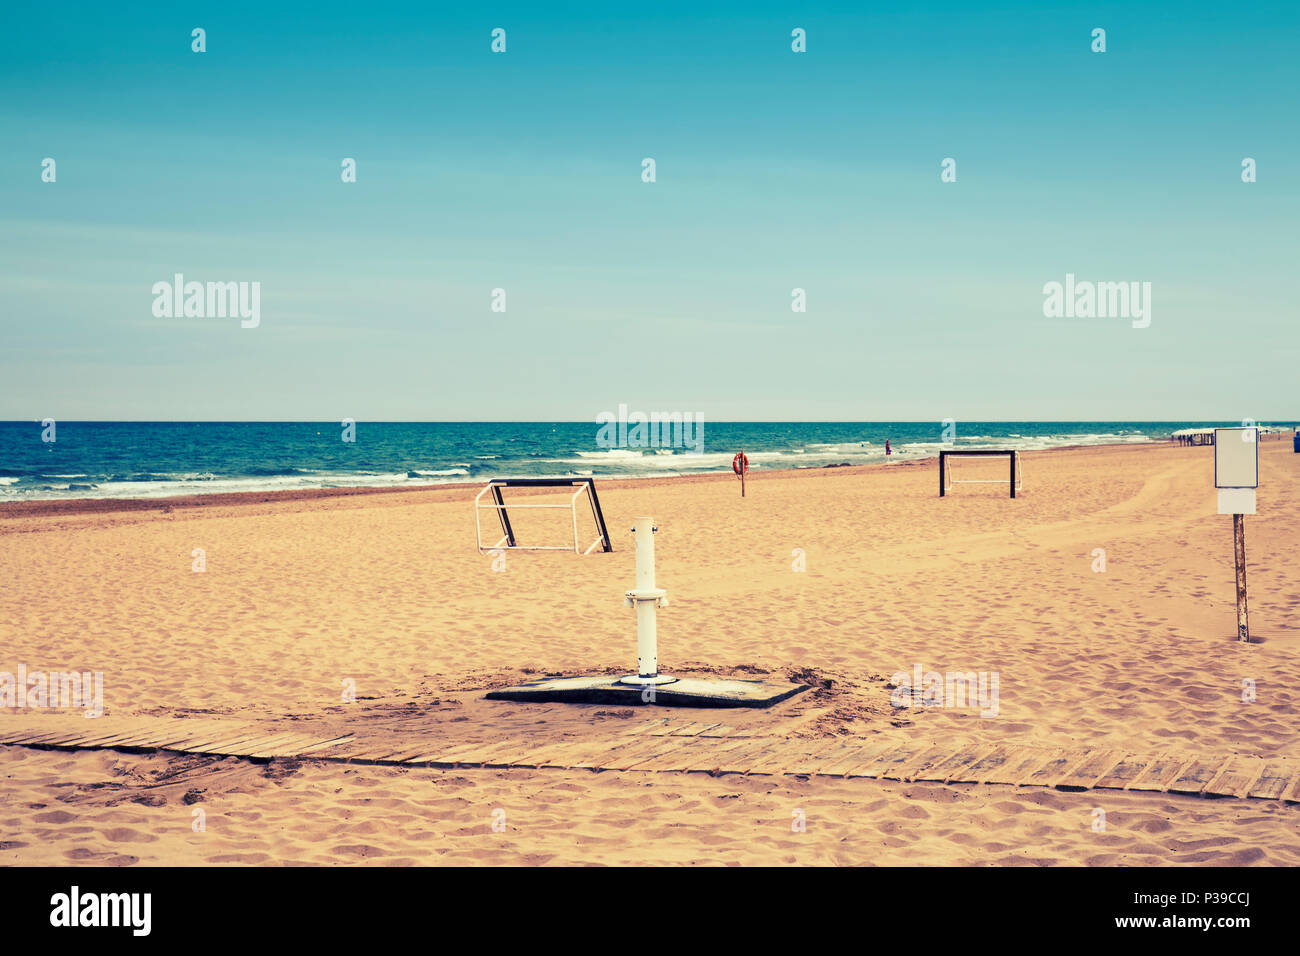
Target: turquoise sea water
[152,459]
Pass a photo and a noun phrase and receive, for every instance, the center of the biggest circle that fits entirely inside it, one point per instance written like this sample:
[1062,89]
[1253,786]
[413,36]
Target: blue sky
[522,171]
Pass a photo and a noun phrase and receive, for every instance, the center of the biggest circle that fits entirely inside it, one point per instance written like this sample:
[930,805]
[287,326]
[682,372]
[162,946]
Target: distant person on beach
[887,451]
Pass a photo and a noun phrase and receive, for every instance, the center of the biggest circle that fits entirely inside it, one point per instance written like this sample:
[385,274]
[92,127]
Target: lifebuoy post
[740,465]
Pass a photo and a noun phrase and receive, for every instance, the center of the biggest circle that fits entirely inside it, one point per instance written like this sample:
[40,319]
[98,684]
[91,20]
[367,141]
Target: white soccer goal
[508,540]
[1015,477]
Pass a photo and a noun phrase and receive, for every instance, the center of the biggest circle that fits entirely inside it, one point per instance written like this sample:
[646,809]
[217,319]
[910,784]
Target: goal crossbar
[582,486]
[1014,478]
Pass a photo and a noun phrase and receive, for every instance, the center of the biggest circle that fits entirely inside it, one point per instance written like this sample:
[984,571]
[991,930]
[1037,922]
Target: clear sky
[775,170]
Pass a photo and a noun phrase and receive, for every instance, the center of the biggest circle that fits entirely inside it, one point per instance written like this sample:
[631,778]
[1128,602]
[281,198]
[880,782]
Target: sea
[97,459]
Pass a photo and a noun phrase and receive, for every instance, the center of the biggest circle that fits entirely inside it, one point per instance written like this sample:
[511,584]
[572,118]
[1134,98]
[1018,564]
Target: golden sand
[303,593]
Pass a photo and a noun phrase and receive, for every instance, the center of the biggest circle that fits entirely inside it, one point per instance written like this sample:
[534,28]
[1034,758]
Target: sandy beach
[305,595]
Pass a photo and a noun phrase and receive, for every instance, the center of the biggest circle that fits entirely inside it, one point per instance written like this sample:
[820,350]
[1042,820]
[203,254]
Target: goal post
[508,540]
[946,481]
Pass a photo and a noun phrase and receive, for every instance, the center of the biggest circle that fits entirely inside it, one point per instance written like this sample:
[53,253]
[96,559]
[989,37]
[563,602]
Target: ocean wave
[177,485]
[283,471]
[139,467]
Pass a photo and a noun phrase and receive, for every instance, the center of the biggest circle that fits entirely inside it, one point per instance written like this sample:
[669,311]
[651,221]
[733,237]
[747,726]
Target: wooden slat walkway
[669,745]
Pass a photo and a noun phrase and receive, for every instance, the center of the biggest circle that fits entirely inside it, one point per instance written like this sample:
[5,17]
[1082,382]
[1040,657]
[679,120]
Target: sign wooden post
[1239,555]
[1236,476]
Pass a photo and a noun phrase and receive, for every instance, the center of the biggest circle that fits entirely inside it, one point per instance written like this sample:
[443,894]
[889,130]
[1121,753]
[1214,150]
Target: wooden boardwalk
[674,745]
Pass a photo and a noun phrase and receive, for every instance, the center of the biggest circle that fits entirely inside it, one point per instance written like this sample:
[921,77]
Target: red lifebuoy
[740,464]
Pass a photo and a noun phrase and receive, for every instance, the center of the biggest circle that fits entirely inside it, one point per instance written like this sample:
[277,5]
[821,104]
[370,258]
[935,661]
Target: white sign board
[1236,458]
[1236,501]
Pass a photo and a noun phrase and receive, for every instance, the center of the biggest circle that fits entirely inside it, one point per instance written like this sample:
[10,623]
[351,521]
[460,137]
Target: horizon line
[558,421]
